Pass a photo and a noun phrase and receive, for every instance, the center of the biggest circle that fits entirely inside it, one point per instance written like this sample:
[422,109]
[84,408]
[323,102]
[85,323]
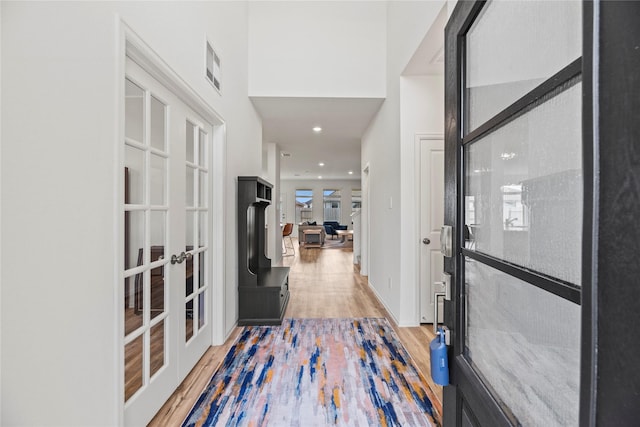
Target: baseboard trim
[381,301]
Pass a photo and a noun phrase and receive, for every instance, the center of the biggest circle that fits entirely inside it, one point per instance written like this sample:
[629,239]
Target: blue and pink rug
[315,372]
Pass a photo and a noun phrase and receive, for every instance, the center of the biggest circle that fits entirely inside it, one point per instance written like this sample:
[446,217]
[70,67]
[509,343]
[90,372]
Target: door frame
[610,297]
[131,45]
[418,194]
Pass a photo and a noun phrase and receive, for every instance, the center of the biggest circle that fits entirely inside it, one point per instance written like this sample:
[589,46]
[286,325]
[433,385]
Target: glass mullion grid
[193,212]
[200,206]
[163,317]
[535,97]
[144,269]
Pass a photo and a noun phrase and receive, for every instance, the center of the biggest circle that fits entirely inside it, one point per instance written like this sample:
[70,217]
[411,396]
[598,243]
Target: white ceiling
[289,123]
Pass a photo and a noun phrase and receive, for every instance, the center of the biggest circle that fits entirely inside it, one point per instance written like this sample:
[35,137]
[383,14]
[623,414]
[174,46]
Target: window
[331,204]
[304,205]
[356,200]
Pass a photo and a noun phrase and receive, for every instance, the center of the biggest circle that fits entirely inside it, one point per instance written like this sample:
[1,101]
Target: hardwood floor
[323,283]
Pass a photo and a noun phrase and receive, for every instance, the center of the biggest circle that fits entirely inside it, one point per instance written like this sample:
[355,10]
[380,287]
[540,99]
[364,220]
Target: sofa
[331,227]
[306,226]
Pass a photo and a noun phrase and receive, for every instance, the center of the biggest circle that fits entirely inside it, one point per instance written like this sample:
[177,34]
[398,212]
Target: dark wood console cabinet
[263,290]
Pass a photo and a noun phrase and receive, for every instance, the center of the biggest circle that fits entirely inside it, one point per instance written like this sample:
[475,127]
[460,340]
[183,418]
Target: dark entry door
[514,185]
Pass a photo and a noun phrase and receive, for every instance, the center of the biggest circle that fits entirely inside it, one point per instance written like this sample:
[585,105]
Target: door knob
[426,241]
[178,259]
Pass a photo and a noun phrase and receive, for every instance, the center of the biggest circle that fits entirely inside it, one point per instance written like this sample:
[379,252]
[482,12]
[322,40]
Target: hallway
[323,283]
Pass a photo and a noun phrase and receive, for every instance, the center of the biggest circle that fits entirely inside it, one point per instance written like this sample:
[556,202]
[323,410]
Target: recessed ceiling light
[317,129]
[320,164]
[319,176]
[350,172]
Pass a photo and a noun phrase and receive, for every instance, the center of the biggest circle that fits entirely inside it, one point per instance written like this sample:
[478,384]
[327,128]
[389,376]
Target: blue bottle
[439,360]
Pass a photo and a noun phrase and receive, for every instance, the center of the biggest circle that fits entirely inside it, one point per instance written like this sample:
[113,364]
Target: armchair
[332,226]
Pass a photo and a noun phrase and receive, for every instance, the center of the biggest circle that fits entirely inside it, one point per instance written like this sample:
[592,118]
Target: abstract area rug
[315,372]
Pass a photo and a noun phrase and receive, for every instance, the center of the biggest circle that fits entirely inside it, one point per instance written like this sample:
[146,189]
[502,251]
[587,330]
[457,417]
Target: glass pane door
[145,237]
[522,206]
[197,214]
[166,223]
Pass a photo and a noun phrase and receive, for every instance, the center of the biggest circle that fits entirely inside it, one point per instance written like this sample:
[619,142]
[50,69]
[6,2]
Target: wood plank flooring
[323,283]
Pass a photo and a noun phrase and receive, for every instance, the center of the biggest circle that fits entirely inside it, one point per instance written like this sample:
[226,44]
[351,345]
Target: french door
[166,277]
[514,157]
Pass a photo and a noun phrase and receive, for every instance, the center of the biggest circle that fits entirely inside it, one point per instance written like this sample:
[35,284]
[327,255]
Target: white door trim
[418,193]
[365,238]
[131,45]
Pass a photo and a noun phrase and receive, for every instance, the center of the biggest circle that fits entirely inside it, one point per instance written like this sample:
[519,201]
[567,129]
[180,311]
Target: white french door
[166,274]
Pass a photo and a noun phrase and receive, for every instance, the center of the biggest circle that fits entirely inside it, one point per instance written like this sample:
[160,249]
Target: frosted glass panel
[525,343]
[542,37]
[523,189]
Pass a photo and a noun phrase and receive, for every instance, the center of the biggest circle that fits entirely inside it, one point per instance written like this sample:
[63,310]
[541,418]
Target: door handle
[426,241]
[178,259]
[436,295]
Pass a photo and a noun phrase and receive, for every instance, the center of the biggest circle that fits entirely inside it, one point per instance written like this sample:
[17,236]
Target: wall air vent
[283,154]
[213,67]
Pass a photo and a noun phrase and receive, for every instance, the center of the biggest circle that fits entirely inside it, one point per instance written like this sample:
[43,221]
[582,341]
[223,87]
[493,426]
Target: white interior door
[431,220]
[166,274]
[195,331]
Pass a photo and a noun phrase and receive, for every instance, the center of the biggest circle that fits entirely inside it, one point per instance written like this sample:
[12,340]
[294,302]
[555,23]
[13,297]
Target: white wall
[59,142]
[289,188]
[421,112]
[317,49]
[0,216]
[407,24]
[272,175]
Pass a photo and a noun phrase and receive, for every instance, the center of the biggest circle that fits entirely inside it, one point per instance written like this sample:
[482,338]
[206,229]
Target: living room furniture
[263,290]
[303,227]
[286,232]
[311,238]
[343,234]
[331,227]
